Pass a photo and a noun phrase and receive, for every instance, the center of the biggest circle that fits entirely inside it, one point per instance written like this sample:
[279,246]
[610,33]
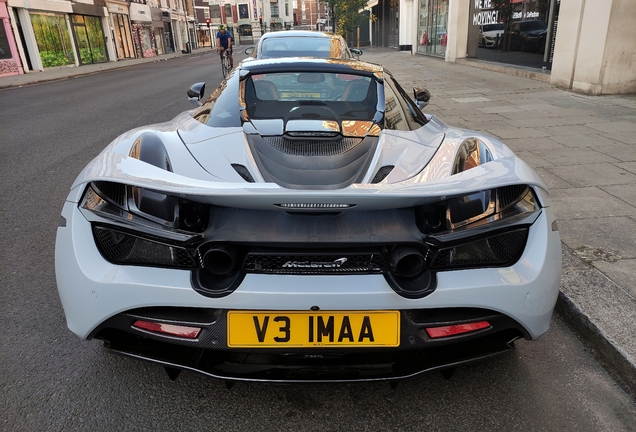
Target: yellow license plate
[266,329]
[287,95]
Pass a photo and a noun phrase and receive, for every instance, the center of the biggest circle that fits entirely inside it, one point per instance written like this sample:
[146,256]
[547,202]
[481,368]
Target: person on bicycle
[223,43]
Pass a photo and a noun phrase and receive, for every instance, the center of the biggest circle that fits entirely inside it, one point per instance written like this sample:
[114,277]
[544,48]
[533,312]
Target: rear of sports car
[426,249]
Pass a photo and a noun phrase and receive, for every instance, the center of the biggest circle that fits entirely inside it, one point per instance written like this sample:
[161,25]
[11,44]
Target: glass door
[89,39]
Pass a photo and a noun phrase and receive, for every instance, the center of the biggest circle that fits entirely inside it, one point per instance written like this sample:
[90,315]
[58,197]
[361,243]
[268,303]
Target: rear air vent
[116,192]
[382,173]
[243,172]
[307,147]
[508,195]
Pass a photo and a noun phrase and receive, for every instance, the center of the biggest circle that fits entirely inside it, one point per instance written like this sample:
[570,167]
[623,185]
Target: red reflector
[439,332]
[173,330]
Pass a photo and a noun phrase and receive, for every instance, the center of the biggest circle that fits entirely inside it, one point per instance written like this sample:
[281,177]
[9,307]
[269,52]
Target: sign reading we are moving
[486,14]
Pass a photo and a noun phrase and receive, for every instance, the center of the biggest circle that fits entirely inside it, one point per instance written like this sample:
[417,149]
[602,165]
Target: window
[215,11]
[228,11]
[274,10]
[401,113]
[314,95]
[243,11]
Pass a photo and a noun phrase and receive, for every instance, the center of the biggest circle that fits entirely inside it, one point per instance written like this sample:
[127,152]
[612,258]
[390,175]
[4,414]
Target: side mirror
[356,52]
[249,50]
[195,93]
[422,96]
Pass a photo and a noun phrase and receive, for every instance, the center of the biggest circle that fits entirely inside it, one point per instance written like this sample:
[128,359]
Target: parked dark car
[528,36]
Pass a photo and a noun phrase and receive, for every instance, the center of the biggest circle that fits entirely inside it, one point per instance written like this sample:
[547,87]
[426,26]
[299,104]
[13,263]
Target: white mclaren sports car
[307,222]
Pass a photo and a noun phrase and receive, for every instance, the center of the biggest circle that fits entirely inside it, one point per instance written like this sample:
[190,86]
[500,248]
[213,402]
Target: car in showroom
[307,222]
[490,35]
[528,36]
[301,43]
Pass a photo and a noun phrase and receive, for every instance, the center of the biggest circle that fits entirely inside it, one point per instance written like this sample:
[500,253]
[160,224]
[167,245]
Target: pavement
[584,148]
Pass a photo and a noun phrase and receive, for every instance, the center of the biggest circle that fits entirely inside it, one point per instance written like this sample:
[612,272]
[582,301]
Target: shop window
[89,39]
[53,40]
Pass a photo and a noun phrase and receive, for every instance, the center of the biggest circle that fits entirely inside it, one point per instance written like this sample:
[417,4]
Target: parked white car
[490,35]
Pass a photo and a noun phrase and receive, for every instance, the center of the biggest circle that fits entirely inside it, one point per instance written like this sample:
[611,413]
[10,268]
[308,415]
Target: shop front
[53,39]
[9,57]
[244,32]
[120,22]
[88,33]
[516,34]
[432,32]
[142,30]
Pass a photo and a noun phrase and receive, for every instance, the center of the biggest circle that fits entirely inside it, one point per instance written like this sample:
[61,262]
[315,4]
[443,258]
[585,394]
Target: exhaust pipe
[220,261]
[407,262]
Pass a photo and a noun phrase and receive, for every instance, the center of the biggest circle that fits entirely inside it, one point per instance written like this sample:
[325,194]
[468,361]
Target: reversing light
[454,330]
[169,329]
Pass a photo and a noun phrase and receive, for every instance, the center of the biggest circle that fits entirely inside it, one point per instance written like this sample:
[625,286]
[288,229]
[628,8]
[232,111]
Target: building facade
[10,63]
[241,17]
[53,33]
[586,45]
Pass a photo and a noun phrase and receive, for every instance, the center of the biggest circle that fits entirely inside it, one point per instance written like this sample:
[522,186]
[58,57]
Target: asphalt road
[51,380]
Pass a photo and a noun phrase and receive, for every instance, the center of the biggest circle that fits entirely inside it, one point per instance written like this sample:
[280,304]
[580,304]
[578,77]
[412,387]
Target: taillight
[454,330]
[169,329]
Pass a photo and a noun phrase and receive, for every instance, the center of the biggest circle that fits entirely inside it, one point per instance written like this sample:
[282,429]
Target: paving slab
[581,203]
[625,193]
[616,235]
[568,156]
[588,140]
[623,272]
[594,174]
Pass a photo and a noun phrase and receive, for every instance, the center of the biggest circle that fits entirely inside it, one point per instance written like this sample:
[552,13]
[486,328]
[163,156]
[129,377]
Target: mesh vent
[116,192]
[382,173]
[122,248]
[313,147]
[364,263]
[243,172]
[496,250]
[510,194]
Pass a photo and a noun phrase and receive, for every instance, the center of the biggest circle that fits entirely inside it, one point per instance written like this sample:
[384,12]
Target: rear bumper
[208,353]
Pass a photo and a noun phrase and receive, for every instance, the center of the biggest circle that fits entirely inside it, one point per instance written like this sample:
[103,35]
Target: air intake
[243,172]
[382,173]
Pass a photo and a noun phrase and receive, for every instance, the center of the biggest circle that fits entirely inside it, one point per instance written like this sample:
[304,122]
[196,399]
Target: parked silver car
[302,43]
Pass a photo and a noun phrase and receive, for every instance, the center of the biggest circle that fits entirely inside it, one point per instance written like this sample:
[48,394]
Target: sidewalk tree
[345,14]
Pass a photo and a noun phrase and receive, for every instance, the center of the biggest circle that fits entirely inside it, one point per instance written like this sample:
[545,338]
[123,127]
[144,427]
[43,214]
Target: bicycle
[225,64]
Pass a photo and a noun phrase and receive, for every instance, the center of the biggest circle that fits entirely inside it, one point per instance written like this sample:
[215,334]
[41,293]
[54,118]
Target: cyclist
[224,42]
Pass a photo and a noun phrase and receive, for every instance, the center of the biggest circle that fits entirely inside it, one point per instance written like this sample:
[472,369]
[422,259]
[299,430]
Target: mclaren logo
[315,264]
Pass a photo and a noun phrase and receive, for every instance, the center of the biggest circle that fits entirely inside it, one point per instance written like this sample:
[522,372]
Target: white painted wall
[595,50]
[458,12]
[407,10]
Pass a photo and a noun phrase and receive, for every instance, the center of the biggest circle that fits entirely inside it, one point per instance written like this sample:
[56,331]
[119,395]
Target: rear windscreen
[301,47]
[311,95]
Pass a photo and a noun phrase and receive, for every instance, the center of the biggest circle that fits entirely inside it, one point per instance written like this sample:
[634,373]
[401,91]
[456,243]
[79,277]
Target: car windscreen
[493,27]
[323,47]
[311,95]
[533,25]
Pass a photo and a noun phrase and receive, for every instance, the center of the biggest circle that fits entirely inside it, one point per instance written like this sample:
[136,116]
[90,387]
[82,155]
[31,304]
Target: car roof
[309,63]
[299,33]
